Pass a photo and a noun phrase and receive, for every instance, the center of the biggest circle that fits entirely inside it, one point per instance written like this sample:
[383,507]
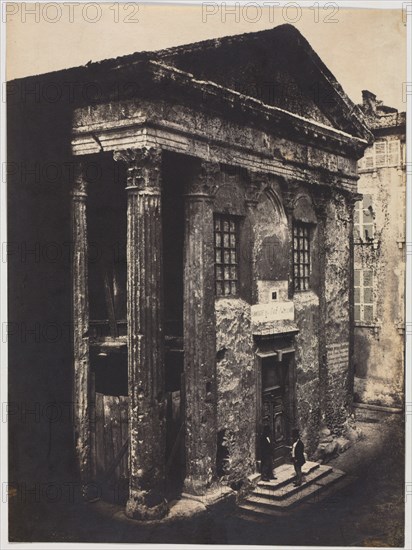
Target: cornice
[160,81]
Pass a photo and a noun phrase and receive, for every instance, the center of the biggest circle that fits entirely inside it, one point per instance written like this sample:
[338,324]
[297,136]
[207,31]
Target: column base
[146,506]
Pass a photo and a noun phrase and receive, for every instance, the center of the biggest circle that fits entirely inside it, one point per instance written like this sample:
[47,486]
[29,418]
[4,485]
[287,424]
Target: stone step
[304,494]
[286,473]
[330,485]
[274,491]
[254,478]
[313,492]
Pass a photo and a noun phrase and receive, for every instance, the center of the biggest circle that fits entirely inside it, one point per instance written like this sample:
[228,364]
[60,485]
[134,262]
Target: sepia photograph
[205,253]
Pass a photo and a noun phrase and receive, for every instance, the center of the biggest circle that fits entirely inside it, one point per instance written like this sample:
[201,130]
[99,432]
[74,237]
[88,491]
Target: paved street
[368,512]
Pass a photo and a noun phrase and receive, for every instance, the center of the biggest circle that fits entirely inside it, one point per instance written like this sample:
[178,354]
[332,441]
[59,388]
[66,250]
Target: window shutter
[367,218]
[367,278]
[363,295]
[367,161]
[380,153]
[368,313]
[394,152]
[368,295]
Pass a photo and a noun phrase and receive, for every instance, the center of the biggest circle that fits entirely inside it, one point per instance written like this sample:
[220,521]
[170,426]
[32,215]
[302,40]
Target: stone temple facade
[207,193]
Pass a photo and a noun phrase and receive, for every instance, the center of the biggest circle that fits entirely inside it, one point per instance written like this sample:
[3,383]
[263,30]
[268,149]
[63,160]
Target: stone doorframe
[276,346]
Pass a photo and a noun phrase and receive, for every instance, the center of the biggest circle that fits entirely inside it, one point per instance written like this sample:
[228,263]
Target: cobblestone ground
[368,512]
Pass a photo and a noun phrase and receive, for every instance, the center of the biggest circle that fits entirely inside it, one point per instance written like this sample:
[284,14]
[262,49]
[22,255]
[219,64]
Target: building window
[363,220]
[382,153]
[226,255]
[301,256]
[363,299]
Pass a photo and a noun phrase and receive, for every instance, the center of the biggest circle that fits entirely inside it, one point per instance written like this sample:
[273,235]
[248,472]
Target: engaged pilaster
[199,334]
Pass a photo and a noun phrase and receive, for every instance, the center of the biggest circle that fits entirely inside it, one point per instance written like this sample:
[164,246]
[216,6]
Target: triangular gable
[278,67]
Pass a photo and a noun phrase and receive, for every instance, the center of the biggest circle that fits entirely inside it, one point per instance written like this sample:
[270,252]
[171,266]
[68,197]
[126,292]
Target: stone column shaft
[199,343]
[80,311]
[145,335]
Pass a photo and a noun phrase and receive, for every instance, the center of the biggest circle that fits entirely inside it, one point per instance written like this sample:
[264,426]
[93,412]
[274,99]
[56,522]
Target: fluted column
[145,335]
[80,311]
[199,335]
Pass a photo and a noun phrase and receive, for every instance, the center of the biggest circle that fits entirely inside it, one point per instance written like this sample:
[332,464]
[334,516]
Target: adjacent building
[379,240]
[210,192]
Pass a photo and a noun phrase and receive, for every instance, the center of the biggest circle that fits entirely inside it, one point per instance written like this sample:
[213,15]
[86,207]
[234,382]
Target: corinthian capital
[144,166]
[206,180]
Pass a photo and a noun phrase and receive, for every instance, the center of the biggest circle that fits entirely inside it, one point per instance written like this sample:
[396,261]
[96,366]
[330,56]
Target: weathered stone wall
[236,407]
[307,368]
[307,320]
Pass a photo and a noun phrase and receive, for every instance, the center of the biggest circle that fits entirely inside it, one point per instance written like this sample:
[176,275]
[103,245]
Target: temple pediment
[276,66]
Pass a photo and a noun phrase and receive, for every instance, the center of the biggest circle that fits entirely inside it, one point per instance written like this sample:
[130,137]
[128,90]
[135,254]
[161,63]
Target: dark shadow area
[368,512]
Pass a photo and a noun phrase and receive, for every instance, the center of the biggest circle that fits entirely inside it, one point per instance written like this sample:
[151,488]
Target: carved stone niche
[272,237]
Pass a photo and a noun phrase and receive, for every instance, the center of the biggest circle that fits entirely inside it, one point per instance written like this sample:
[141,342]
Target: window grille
[301,256]
[226,255]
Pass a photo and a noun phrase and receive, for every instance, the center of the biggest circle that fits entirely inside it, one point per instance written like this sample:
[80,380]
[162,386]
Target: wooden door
[111,438]
[275,404]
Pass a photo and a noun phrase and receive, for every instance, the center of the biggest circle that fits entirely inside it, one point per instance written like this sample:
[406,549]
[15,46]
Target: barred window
[226,255]
[363,299]
[363,219]
[301,256]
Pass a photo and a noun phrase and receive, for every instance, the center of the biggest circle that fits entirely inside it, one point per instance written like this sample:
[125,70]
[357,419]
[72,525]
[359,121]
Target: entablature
[182,129]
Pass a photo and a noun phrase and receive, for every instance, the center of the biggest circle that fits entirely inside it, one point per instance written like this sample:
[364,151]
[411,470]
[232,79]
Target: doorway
[276,400]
